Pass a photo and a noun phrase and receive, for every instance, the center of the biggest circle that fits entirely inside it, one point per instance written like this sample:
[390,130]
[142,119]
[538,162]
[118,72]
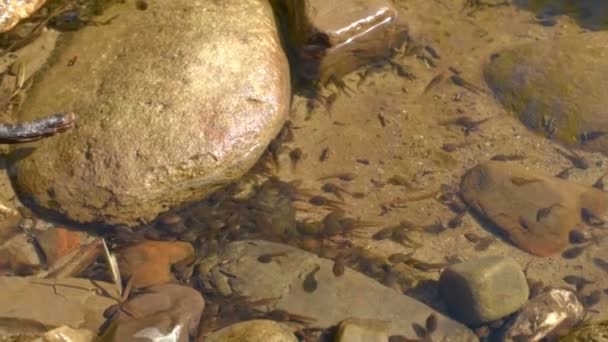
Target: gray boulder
[172,102]
[305,286]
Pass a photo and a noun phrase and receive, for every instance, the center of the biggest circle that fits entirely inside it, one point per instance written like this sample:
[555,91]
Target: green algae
[588,332]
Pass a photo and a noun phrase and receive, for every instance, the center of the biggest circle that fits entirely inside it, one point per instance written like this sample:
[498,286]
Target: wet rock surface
[13,11]
[335,38]
[174,137]
[304,285]
[565,102]
[536,212]
[253,331]
[547,315]
[149,263]
[361,330]
[166,311]
[81,306]
[482,290]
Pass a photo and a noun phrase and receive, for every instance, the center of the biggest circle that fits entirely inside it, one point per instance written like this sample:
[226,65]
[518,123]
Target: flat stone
[253,331]
[535,211]
[565,102]
[482,290]
[334,38]
[333,300]
[362,330]
[167,311]
[167,110]
[13,11]
[547,315]
[37,301]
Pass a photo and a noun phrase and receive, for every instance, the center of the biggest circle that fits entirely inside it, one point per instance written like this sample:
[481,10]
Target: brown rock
[336,37]
[536,211]
[168,109]
[149,263]
[169,310]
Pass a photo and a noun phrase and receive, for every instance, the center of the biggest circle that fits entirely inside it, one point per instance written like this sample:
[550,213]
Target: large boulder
[557,87]
[172,102]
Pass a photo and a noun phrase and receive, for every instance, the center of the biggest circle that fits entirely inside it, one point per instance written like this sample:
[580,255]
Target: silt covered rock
[557,87]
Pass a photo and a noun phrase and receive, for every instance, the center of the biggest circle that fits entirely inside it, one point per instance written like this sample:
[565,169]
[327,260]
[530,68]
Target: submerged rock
[483,290]
[362,330]
[548,315]
[168,110]
[166,312]
[536,211]
[557,87]
[253,331]
[13,11]
[149,263]
[333,38]
[54,302]
[305,285]
[589,331]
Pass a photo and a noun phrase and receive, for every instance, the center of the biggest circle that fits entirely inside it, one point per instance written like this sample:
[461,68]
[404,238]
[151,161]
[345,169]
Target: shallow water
[386,132]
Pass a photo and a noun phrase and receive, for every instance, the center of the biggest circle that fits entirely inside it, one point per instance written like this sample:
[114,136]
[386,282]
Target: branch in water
[37,129]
